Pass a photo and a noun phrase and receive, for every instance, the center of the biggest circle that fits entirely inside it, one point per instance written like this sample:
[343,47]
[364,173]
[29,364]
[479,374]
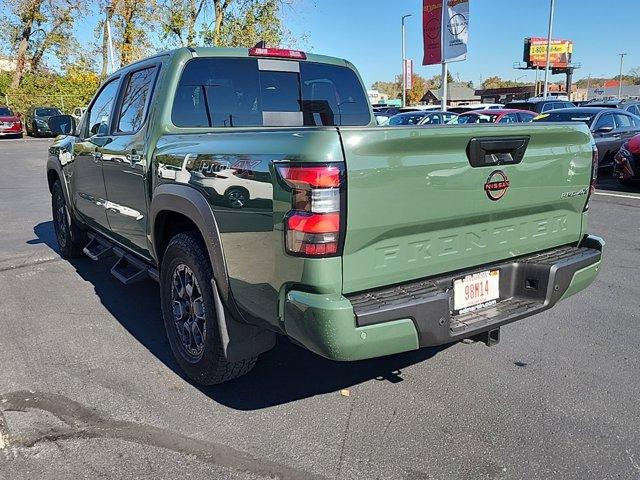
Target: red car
[10,124]
[504,115]
[626,163]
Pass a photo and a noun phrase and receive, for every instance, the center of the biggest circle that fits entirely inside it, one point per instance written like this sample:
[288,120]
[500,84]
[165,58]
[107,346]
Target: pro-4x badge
[496,185]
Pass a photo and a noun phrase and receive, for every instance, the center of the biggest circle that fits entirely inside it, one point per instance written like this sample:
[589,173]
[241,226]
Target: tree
[132,21]
[391,89]
[498,82]
[435,82]
[418,89]
[36,27]
[180,19]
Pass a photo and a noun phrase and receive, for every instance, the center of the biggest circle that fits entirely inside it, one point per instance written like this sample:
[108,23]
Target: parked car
[610,128]
[10,123]
[418,108]
[539,106]
[421,117]
[426,251]
[495,116]
[36,120]
[631,106]
[626,166]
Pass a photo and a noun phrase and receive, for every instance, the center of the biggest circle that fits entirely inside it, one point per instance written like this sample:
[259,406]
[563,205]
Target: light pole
[546,67]
[620,78]
[404,68]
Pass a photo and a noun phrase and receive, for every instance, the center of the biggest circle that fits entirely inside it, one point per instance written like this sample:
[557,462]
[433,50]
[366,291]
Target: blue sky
[367,32]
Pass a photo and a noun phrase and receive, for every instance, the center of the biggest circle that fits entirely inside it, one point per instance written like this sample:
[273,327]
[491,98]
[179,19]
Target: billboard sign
[535,53]
[447,44]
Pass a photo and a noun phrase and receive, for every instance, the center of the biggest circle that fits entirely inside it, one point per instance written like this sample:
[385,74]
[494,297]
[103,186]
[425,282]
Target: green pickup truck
[256,188]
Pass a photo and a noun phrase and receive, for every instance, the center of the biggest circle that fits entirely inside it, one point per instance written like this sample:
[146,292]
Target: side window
[100,113]
[622,121]
[509,118]
[547,106]
[448,117]
[525,117]
[135,99]
[431,119]
[605,120]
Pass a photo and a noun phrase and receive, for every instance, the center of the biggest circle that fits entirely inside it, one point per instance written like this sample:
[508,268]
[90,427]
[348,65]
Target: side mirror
[605,129]
[62,125]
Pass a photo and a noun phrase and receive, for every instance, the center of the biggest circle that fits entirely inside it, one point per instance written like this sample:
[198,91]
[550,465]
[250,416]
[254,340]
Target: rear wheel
[63,226]
[189,313]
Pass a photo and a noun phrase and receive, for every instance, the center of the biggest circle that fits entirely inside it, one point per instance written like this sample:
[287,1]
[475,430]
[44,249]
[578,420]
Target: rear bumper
[419,314]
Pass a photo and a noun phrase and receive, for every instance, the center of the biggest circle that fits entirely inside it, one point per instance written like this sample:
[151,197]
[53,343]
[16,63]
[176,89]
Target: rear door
[125,161]
[419,205]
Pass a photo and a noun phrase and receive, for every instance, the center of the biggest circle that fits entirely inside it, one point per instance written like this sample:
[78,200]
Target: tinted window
[5,112]
[605,120]
[226,92]
[134,101]
[526,117]
[47,112]
[633,109]
[548,106]
[623,121]
[509,118]
[100,113]
[332,95]
[522,106]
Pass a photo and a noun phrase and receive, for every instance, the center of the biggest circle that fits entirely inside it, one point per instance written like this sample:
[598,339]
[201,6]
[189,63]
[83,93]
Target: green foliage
[498,82]
[74,88]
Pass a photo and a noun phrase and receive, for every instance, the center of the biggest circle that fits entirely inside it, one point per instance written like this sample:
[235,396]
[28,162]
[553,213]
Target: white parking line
[619,195]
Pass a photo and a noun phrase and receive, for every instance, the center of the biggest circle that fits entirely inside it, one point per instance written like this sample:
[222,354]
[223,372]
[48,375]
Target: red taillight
[313,226]
[277,53]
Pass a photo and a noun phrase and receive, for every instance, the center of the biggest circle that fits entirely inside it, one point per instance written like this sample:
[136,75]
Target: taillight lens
[314,225]
[594,173]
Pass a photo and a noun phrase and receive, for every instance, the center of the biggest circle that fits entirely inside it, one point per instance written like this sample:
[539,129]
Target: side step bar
[97,248]
[128,269]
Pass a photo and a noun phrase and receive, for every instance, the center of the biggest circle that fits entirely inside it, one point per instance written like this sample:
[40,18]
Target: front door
[87,182]
[125,163]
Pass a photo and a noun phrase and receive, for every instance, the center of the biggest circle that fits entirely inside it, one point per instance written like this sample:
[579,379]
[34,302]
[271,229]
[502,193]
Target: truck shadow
[284,374]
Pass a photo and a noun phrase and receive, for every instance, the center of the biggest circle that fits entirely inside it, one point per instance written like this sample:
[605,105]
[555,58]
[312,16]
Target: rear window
[5,112]
[560,116]
[522,106]
[47,112]
[234,92]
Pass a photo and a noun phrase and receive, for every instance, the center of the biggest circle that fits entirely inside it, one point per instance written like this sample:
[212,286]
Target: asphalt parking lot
[88,387]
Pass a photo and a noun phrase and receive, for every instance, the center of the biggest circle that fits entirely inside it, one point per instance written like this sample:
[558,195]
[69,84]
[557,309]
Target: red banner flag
[432,31]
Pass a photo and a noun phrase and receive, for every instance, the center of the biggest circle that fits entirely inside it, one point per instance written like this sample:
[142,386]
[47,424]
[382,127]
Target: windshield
[47,112]
[561,116]
[476,118]
[406,119]
[239,92]
[5,112]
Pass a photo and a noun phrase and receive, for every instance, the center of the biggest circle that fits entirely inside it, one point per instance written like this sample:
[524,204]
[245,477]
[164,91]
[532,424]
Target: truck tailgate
[417,207]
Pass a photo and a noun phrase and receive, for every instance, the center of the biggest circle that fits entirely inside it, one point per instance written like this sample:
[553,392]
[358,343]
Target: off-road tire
[211,366]
[63,225]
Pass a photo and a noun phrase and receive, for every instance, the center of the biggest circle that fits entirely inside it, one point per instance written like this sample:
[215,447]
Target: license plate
[476,291]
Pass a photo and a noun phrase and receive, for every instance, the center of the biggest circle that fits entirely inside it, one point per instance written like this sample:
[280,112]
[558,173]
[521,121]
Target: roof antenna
[260,44]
